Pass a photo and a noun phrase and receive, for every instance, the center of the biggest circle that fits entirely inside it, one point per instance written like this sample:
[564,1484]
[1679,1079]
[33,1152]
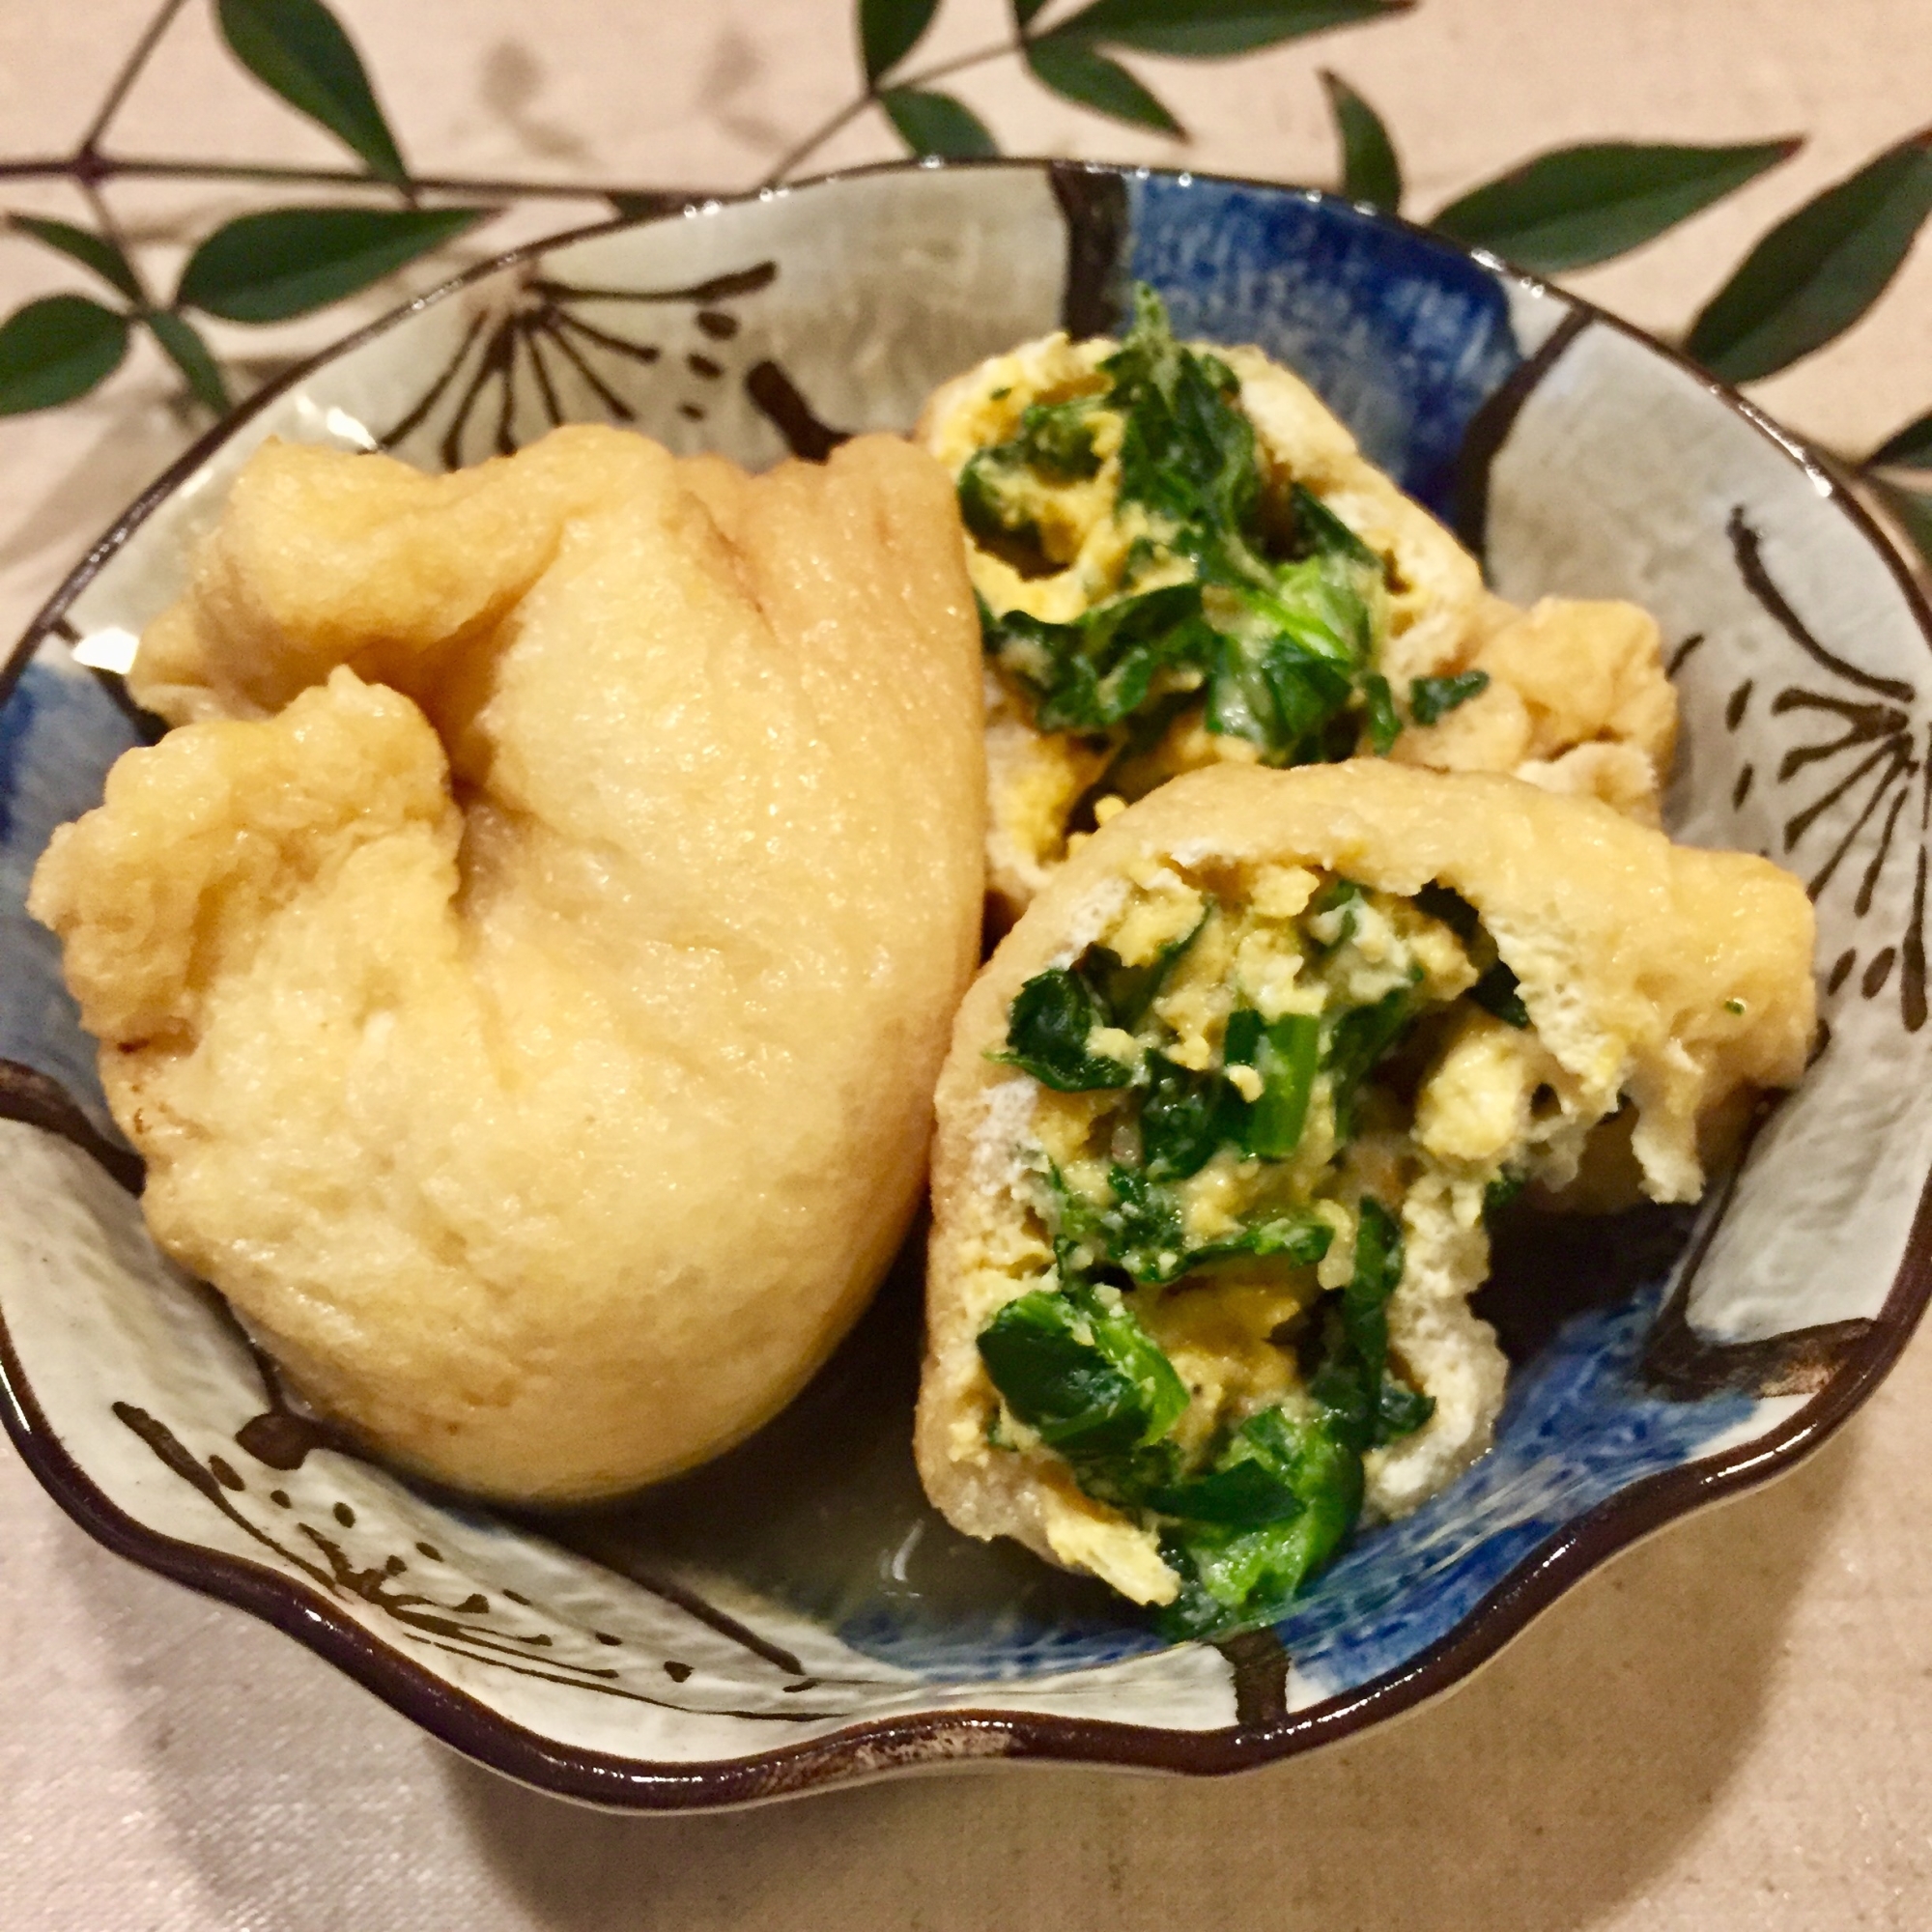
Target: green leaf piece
[936,124]
[1024,11]
[1914,510]
[1076,72]
[286,262]
[1213,29]
[889,30]
[1575,206]
[1819,269]
[1048,1026]
[1285,1052]
[182,342]
[56,350]
[1090,1379]
[1910,449]
[1370,170]
[82,245]
[1384,720]
[1185,1117]
[298,50]
[1430,697]
[1496,992]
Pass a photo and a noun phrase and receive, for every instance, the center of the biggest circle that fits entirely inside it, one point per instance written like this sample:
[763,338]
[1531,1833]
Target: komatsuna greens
[1247,1518]
[1264,609]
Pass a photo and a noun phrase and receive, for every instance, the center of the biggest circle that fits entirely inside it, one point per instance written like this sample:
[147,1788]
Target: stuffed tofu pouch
[1181,558]
[526,970]
[1222,1122]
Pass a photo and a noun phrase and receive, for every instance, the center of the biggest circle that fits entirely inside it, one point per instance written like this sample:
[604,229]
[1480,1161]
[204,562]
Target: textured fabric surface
[1726,1729]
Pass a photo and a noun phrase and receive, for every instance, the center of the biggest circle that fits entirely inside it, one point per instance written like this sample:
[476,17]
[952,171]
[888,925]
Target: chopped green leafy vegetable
[1234,1578]
[1087,1378]
[1250,1485]
[1185,1118]
[1501,1191]
[1275,614]
[1099,670]
[1285,1052]
[1357,1041]
[1245,1517]
[1048,1026]
[1384,723]
[1496,992]
[1429,698]
[1143,1229]
[1238,1574]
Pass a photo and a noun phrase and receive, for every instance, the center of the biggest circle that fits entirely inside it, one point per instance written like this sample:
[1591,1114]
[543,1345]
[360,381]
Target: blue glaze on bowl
[1404,338]
[59,732]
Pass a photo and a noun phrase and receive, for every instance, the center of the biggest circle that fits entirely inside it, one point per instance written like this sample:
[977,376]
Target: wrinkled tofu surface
[524,969]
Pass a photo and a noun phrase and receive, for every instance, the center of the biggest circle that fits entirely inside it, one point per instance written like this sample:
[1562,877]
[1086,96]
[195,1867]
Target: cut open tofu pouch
[1183,559]
[1223,1120]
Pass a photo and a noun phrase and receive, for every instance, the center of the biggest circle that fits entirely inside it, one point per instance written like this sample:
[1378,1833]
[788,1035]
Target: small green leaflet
[1577,205]
[57,349]
[1429,698]
[1910,449]
[1357,1045]
[1213,29]
[936,124]
[1024,11]
[1819,269]
[889,30]
[298,50]
[1250,1486]
[1078,72]
[184,347]
[1370,170]
[265,267]
[82,245]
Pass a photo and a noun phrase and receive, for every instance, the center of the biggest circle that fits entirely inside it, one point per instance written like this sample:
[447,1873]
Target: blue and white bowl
[795,1617]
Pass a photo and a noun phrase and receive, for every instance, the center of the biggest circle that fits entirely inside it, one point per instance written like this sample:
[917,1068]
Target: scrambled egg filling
[1181,558]
[1271,1102]
[1154,585]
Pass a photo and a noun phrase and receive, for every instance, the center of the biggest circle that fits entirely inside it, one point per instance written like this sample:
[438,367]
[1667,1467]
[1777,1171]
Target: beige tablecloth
[1729,1728]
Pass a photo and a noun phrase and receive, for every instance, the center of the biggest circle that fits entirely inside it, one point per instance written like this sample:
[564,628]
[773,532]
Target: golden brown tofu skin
[1577,698]
[526,979]
[1671,981]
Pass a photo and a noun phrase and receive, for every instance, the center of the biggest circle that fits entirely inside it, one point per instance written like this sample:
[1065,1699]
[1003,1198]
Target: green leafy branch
[1804,283]
[262,267]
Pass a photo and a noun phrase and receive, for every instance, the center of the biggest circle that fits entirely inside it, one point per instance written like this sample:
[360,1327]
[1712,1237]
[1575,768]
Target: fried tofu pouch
[1574,696]
[1479,971]
[526,974]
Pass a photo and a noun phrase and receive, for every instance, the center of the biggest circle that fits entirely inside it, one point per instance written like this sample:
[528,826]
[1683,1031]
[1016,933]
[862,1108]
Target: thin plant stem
[110,167]
[111,228]
[852,109]
[130,73]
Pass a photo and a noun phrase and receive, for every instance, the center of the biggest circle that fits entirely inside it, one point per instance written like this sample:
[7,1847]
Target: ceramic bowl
[794,1617]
